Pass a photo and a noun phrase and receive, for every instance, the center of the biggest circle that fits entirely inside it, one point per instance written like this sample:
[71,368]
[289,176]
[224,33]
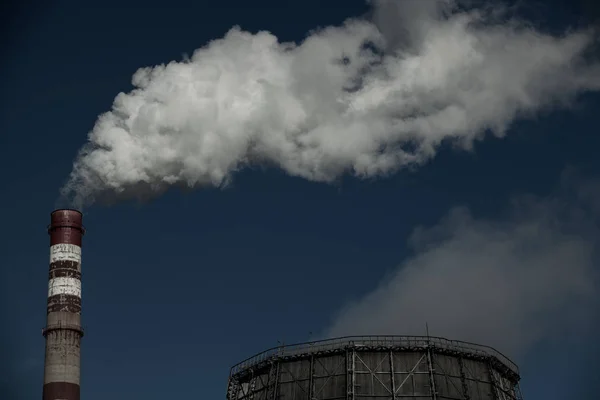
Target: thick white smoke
[365,98]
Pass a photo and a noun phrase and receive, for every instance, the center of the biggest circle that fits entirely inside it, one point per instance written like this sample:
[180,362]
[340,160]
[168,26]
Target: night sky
[178,288]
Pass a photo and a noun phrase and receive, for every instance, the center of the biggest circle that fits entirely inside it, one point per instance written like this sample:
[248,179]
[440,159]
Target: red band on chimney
[66,227]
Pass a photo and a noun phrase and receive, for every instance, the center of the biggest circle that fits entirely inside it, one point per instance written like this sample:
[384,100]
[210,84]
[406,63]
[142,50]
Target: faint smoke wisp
[515,282]
[366,98]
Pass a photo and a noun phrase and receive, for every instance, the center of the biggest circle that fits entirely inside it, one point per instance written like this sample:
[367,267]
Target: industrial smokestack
[63,330]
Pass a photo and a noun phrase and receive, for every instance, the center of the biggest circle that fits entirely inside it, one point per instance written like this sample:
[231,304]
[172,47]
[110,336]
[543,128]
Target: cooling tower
[63,330]
[376,368]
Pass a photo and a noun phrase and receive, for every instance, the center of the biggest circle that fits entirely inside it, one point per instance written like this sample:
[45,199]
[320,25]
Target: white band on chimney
[64,285]
[65,252]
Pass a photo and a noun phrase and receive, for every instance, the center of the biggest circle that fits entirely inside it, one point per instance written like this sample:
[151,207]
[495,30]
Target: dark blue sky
[179,289]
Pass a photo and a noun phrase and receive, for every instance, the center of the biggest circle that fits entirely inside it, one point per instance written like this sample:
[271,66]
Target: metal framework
[376,367]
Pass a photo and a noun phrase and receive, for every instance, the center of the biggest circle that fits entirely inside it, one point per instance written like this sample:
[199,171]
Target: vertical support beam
[311,382]
[347,375]
[492,382]
[433,390]
[502,389]
[350,373]
[392,375]
[277,372]
[518,392]
[273,380]
[252,387]
[463,379]
[233,388]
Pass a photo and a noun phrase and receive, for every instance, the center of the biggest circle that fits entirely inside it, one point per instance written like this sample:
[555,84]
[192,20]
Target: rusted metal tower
[376,367]
[63,330]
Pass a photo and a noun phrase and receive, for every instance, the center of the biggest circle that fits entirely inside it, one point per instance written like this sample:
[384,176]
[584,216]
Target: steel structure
[376,368]
[63,330]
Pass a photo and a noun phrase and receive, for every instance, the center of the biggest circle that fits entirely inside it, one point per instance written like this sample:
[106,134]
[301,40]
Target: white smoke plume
[366,98]
[525,279]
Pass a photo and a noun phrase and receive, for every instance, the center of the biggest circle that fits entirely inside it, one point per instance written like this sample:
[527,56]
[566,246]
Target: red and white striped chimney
[63,330]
